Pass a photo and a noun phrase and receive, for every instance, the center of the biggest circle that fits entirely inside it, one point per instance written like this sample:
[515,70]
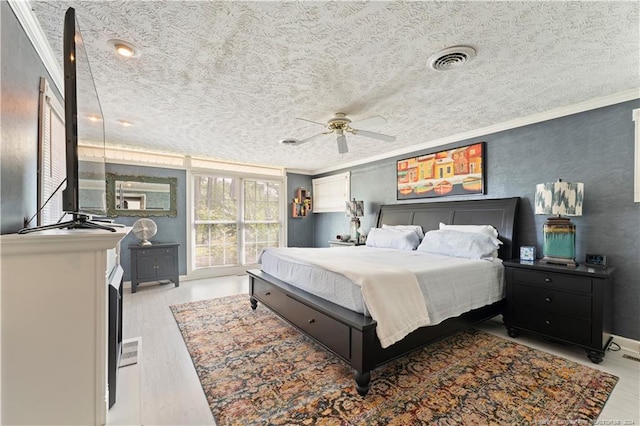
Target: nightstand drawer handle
[267,293]
[547,299]
[311,321]
[547,280]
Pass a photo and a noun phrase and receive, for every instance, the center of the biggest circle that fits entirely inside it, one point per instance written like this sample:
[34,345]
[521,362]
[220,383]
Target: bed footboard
[348,334]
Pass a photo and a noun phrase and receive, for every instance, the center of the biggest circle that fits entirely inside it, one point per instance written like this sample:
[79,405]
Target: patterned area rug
[256,369]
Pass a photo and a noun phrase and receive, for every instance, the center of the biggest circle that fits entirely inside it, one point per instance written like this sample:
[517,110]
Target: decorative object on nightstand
[301,204]
[561,199]
[571,305]
[593,260]
[528,253]
[355,210]
[144,229]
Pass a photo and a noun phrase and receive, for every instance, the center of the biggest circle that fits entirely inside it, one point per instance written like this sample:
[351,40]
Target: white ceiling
[227,79]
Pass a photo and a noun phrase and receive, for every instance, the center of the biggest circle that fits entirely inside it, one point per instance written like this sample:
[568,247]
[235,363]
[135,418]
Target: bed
[352,335]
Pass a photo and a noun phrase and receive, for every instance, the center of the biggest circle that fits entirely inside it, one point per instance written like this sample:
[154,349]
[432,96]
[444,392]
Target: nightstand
[340,243]
[155,262]
[570,305]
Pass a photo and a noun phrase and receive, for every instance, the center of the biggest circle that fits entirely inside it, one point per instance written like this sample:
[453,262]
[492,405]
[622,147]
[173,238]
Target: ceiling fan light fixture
[451,57]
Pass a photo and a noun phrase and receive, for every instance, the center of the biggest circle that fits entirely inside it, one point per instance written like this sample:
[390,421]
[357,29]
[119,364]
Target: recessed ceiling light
[125,123]
[124,48]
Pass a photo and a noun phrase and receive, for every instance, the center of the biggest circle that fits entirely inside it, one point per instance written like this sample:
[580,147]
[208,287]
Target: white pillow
[483,229]
[415,228]
[469,245]
[393,238]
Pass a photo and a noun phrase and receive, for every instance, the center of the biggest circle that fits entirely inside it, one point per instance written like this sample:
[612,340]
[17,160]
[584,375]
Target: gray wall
[19,85]
[595,147]
[299,229]
[170,229]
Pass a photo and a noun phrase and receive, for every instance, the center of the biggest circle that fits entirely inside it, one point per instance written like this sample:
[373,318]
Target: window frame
[212,271]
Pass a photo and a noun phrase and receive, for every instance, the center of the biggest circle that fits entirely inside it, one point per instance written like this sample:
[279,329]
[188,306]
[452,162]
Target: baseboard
[627,344]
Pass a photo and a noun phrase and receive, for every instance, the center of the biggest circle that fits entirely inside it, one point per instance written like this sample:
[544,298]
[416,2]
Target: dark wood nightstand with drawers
[155,262]
[571,305]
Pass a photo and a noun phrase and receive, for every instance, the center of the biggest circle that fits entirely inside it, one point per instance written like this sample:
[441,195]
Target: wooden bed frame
[351,335]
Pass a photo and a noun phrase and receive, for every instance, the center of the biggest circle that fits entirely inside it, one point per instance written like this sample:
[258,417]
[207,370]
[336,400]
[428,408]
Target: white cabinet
[54,326]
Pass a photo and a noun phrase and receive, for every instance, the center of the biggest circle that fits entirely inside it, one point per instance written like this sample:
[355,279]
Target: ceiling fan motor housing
[339,122]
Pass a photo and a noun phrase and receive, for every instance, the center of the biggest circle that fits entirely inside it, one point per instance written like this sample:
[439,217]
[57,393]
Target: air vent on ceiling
[451,57]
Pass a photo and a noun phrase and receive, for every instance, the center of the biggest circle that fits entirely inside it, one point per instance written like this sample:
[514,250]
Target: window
[216,221]
[261,217]
[331,192]
[51,156]
[234,219]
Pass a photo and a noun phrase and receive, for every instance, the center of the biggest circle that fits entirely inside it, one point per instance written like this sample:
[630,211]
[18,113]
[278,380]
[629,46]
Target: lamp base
[353,228]
[564,261]
[559,242]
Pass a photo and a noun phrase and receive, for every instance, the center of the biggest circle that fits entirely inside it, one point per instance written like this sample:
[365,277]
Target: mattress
[450,285]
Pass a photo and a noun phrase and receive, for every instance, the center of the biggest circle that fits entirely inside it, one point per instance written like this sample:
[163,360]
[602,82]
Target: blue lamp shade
[559,198]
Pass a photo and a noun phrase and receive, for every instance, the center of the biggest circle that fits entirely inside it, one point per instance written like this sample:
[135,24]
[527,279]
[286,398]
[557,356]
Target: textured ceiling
[227,79]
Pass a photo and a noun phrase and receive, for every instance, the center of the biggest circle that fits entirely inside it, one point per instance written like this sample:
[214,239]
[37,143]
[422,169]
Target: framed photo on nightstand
[594,260]
[528,253]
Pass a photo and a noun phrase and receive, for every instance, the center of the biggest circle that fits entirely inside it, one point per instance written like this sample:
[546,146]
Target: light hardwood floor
[170,390]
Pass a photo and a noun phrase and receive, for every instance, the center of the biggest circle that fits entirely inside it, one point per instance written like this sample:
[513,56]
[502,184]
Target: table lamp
[561,199]
[355,210]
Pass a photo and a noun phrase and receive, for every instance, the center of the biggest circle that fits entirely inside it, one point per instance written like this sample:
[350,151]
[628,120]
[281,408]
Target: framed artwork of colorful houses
[458,171]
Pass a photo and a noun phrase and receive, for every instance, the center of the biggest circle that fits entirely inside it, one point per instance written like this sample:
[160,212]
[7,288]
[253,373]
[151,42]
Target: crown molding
[34,32]
[591,104]
[300,172]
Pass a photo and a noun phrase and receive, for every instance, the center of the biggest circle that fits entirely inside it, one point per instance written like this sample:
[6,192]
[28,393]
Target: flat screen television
[85,191]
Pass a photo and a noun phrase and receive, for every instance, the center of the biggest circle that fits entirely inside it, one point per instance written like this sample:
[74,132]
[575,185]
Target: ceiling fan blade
[374,135]
[342,144]
[376,120]
[311,138]
[314,122]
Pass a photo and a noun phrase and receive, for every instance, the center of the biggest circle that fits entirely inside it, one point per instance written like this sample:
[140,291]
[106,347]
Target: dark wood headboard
[500,213]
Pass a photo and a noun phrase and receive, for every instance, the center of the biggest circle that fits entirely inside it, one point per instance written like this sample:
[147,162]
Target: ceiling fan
[340,124]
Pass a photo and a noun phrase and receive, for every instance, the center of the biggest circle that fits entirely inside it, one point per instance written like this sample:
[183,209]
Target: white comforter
[399,287]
